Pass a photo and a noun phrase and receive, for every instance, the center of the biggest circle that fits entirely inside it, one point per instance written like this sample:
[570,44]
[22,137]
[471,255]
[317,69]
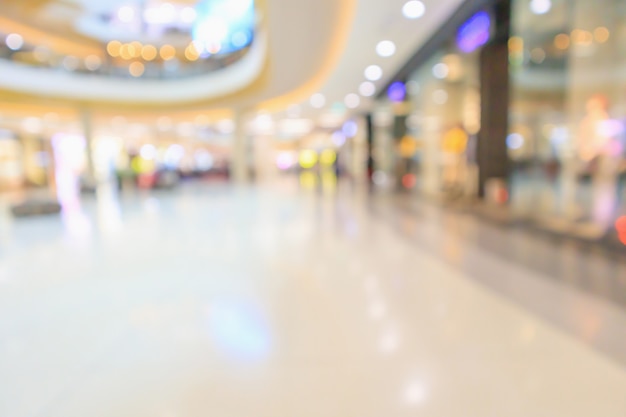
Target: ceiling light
[352,101]
[386,48]
[540,6]
[167,52]
[188,15]
[127,51]
[318,101]
[113,48]
[149,52]
[441,71]
[367,89]
[191,53]
[14,41]
[413,9]
[126,14]
[373,73]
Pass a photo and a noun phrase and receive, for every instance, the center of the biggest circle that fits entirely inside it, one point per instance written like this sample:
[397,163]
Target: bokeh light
[373,73]
[167,52]
[149,52]
[136,69]
[601,34]
[413,9]
[352,101]
[367,89]
[114,48]
[14,41]
[328,157]
[308,158]
[386,48]
[397,92]
[562,41]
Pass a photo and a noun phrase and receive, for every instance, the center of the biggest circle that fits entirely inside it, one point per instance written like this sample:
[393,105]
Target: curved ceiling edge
[78,87]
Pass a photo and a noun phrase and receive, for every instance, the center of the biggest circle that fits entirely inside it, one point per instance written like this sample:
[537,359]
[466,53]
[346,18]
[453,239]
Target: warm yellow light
[516,44]
[191,53]
[582,37]
[601,34]
[308,159]
[328,157]
[136,69]
[137,48]
[562,41]
[149,52]
[127,51]
[113,48]
[167,52]
[308,180]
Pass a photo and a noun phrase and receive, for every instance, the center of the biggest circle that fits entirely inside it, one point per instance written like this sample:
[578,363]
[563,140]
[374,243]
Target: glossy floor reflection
[271,301]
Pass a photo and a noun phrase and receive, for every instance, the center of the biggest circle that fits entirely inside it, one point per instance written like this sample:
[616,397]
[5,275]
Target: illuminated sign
[474,33]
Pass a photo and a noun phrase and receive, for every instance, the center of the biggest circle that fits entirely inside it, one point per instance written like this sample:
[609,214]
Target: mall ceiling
[314,46]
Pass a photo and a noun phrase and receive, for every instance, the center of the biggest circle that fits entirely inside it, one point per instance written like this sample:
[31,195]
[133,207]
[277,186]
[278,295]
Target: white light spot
[367,89]
[441,71]
[415,393]
[126,14]
[386,48]
[352,101]
[14,41]
[318,101]
[540,6]
[373,73]
[413,9]
[188,15]
[379,178]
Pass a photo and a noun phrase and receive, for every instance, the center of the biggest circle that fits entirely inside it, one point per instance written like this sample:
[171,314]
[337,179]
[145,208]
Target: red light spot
[502,196]
[622,238]
[620,225]
[409,181]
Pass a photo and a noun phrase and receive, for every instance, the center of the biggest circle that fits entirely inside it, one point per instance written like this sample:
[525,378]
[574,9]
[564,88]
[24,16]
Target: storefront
[528,94]
[567,111]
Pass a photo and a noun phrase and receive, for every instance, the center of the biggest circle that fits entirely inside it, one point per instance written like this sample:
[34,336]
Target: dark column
[369,126]
[492,155]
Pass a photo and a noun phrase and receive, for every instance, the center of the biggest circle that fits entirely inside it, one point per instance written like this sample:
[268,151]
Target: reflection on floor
[270,301]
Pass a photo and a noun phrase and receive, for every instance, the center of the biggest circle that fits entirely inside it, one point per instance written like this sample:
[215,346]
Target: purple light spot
[474,33]
[397,92]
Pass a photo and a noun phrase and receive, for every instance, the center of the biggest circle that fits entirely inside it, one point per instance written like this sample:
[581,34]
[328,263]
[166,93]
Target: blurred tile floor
[273,301]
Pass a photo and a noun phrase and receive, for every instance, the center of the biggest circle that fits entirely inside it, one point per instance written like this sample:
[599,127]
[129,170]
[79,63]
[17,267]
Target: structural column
[492,152]
[239,157]
[87,124]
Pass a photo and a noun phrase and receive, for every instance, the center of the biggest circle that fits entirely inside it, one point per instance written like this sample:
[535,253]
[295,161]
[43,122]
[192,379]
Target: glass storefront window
[568,111]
